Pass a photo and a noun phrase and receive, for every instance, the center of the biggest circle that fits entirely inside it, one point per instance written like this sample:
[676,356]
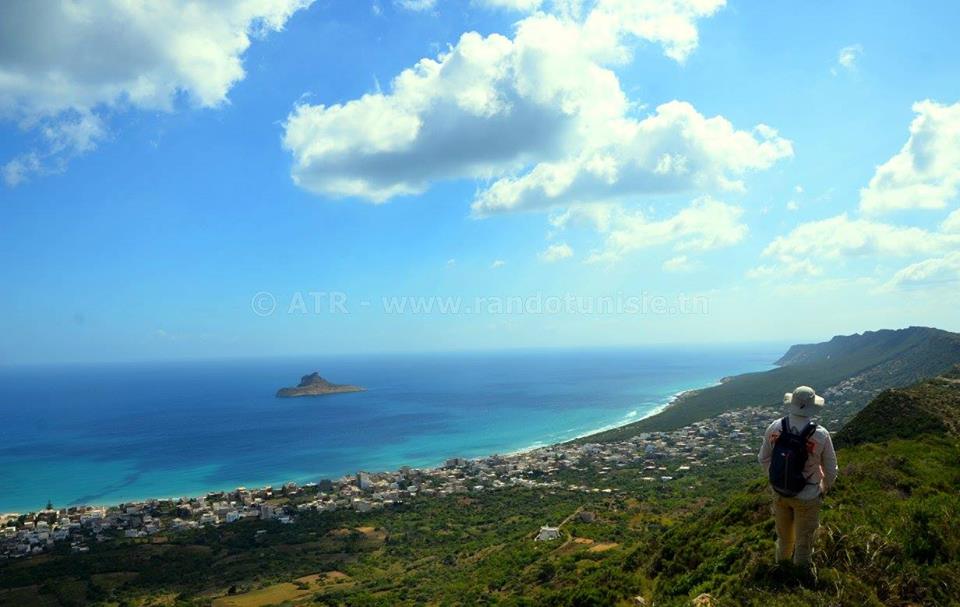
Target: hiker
[801,464]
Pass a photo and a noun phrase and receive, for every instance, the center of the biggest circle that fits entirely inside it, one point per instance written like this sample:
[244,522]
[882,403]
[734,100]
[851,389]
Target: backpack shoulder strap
[785,425]
[808,431]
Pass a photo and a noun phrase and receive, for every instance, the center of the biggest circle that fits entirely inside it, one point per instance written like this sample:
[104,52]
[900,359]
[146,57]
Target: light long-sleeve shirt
[821,467]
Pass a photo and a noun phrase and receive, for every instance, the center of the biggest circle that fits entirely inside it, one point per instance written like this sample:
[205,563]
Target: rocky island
[314,385]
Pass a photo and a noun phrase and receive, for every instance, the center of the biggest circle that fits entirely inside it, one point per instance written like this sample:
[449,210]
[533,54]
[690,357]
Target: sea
[109,433]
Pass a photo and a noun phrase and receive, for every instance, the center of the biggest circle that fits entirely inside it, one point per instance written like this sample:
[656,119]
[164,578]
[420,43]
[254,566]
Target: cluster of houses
[659,457]
[27,534]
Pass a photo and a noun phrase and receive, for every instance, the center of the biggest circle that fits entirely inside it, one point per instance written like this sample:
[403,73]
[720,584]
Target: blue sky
[792,167]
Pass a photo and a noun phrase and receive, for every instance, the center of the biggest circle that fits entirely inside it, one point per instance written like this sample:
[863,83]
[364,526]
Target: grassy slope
[932,406]
[890,530]
[898,358]
[890,536]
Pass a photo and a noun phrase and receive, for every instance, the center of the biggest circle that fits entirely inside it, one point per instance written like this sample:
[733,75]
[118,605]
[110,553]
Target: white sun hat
[803,401]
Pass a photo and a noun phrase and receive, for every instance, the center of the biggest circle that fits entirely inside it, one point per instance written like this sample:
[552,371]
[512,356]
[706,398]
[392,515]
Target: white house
[548,534]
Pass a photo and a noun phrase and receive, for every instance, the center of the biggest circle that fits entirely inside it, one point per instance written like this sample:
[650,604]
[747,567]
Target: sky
[205,179]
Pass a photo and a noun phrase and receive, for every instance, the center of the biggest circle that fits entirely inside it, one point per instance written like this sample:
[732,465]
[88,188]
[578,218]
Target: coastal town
[657,457]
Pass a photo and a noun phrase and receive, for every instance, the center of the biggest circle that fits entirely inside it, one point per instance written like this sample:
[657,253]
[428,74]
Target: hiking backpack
[789,459]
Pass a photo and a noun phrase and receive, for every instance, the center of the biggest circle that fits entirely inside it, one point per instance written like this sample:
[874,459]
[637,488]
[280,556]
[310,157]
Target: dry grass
[603,547]
[275,594]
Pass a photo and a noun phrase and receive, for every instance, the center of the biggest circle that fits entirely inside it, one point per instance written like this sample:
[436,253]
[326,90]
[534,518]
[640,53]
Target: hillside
[890,531]
[931,406]
[847,370]
[890,535]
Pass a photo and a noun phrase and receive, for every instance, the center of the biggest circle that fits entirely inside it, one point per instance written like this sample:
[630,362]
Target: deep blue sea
[102,434]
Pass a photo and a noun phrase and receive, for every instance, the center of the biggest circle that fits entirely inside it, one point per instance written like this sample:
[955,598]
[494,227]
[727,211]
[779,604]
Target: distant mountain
[848,370]
[884,344]
[928,407]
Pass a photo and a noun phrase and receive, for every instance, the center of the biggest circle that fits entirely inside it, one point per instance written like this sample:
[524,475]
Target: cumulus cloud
[497,263]
[541,114]
[793,205]
[925,173]
[675,149]
[703,225]
[841,237]
[556,252]
[933,272]
[671,23]
[64,60]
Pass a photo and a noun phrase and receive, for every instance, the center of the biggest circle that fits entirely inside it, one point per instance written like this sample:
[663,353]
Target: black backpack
[789,458]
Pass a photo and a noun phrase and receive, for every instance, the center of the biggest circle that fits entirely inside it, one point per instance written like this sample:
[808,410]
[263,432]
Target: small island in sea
[314,385]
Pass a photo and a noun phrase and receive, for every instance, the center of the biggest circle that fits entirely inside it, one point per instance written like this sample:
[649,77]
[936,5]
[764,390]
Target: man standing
[801,464]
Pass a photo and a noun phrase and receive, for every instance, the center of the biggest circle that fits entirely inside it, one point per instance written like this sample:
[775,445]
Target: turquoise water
[107,433]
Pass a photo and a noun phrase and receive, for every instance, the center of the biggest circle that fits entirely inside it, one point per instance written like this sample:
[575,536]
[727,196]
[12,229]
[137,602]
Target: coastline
[674,399]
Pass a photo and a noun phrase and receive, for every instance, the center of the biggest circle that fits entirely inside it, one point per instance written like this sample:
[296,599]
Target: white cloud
[451,263]
[703,225]
[798,189]
[952,222]
[925,173]
[556,252]
[61,60]
[543,108]
[938,271]
[680,263]
[793,205]
[20,168]
[675,149]
[416,5]
[672,23]
[599,216]
[70,135]
[848,56]
[840,237]
[68,55]
[497,263]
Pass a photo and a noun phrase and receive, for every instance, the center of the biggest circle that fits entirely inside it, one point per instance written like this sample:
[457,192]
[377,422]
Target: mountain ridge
[847,370]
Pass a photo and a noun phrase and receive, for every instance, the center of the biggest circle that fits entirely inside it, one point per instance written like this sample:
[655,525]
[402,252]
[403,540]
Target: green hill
[890,531]
[848,370]
[929,407]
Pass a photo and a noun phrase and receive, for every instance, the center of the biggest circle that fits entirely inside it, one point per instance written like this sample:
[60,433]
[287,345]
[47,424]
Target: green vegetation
[930,407]
[890,535]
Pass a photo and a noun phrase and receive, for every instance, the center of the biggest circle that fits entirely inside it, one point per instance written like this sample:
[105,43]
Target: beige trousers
[797,521]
